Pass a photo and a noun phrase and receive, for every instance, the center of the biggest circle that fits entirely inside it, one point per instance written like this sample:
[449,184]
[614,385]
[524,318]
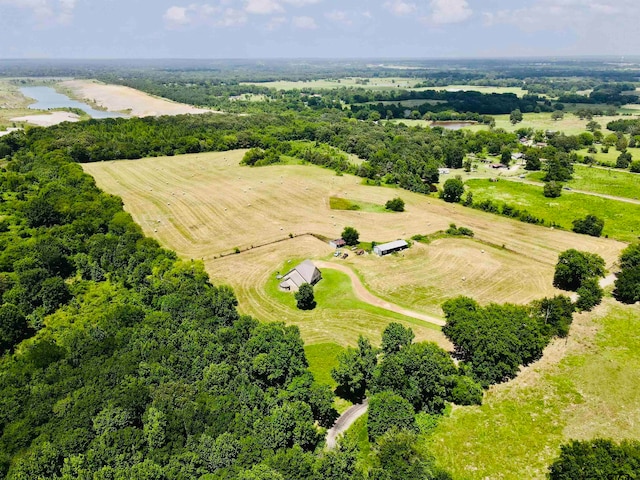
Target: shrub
[387,411]
[452,190]
[589,295]
[466,391]
[589,225]
[396,205]
[552,189]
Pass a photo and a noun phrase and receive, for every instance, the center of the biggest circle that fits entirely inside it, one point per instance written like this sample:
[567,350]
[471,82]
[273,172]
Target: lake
[47,98]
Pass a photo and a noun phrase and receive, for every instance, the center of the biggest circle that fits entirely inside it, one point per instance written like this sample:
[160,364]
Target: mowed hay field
[426,275]
[339,317]
[205,205]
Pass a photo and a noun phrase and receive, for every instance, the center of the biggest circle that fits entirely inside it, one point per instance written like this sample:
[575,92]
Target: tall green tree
[574,267]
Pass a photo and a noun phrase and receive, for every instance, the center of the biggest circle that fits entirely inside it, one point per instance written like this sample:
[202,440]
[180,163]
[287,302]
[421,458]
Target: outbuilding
[391,247]
[338,243]
[306,272]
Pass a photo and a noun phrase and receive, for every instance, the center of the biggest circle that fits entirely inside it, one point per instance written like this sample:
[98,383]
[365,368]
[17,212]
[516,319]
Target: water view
[47,98]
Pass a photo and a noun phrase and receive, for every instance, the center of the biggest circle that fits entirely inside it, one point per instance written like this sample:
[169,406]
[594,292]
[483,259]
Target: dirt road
[345,421]
[363,294]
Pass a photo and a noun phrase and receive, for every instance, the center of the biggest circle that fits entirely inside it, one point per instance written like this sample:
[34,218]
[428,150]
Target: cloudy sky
[317,28]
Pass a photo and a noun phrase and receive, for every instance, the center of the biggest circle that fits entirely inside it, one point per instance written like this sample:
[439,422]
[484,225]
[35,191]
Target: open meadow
[205,206]
[622,221]
[584,387]
[570,124]
[605,181]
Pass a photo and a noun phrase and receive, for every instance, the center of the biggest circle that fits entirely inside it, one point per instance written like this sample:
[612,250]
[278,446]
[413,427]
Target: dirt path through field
[363,294]
[345,421]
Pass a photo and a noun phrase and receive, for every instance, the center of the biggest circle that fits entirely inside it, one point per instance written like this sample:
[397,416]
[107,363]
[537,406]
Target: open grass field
[607,181]
[327,84]
[584,387]
[622,221]
[611,156]
[482,89]
[570,124]
[206,205]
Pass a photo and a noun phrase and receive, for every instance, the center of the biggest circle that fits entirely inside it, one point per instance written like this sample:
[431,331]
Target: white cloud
[339,16]
[400,7]
[263,7]
[176,16]
[449,11]
[276,22]
[301,3]
[304,23]
[46,11]
[204,14]
[563,14]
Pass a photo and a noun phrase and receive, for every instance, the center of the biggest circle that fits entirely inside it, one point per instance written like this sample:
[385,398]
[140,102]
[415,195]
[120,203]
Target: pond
[47,98]
[453,125]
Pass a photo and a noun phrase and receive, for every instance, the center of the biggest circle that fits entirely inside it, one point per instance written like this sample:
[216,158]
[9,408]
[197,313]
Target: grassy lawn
[335,293]
[337,203]
[611,156]
[607,181]
[585,387]
[322,357]
[622,221]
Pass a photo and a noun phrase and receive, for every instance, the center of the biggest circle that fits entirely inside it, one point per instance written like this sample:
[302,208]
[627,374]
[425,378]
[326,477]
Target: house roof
[306,272]
[392,245]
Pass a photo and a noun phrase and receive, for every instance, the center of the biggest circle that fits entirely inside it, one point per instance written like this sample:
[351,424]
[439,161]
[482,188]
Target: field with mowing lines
[426,275]
[584,387]
[622,221]
[339,317]
[206,205]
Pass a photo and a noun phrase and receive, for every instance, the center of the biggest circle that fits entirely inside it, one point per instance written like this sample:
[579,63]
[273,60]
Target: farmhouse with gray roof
[306,272]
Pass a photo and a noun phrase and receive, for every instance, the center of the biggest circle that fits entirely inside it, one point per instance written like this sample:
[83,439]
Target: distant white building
[443,171]
[391,247]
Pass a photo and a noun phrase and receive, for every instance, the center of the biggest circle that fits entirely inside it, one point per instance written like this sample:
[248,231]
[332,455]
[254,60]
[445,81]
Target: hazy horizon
[318,29]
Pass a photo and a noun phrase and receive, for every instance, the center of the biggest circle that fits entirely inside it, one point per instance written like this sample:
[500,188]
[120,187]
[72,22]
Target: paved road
[363,294]
[345,421]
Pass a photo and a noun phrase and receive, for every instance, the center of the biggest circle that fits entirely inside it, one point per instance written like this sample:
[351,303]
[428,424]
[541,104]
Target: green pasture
[337,203]
[607,181]
[593,391]
[622,221]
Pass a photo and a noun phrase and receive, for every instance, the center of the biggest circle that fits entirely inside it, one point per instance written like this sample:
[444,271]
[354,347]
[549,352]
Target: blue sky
[317,28]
